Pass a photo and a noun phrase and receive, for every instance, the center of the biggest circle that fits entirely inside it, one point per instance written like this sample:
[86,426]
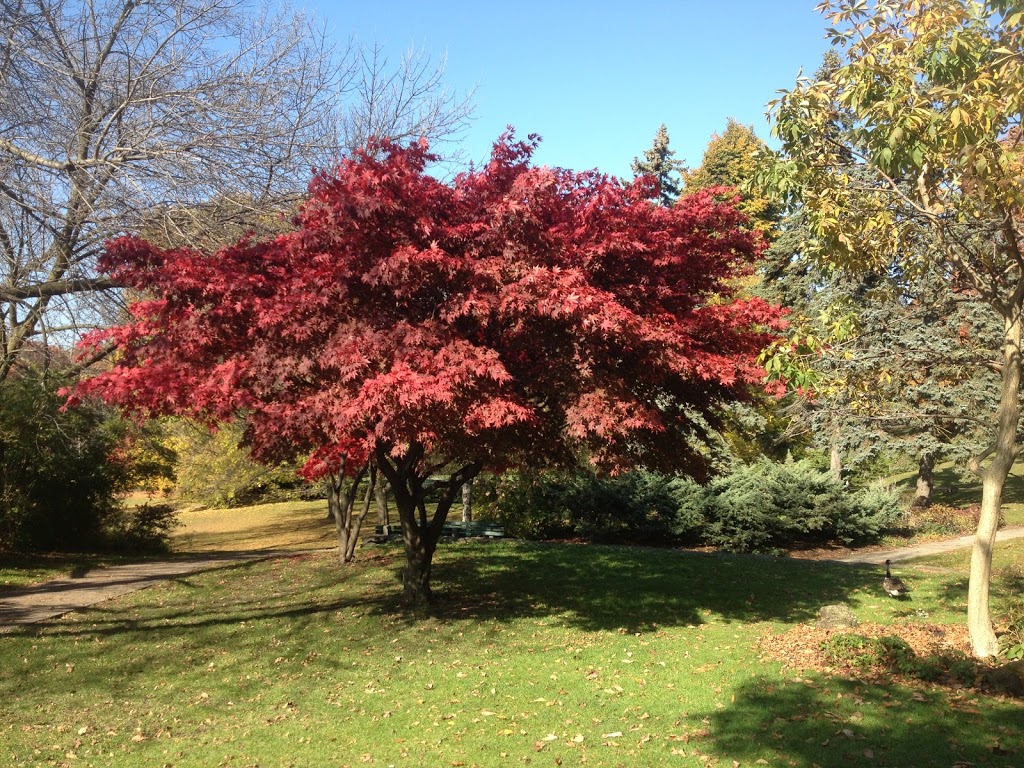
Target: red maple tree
[516,316]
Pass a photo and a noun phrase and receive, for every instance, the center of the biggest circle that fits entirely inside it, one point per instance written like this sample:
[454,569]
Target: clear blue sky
[595,79]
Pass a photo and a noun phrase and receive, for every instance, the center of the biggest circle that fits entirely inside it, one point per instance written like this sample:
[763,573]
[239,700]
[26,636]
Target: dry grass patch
[291,525]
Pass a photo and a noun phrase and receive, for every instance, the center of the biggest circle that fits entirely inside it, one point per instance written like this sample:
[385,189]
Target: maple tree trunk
[340,503]
[419,557]
[993,477]
[356,524]
[925,481]
[381,493]
[420,532]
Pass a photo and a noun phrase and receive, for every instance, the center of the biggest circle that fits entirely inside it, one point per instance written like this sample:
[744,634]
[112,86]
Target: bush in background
[61,474]
[139,529]
[766,506]
[946,520]
[212,470]
[760,507]
[636,507]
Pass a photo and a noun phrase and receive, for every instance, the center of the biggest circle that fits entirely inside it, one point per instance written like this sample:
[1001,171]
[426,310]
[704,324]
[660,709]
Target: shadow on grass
[838,722]
[636,588]
[585,587]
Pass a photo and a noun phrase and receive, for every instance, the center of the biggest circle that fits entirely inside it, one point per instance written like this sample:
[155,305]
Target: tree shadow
[591,588]
[833,722]
[637,588]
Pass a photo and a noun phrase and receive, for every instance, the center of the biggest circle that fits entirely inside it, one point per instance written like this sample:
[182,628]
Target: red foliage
[517,315]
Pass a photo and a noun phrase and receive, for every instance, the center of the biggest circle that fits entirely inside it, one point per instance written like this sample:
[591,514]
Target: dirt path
[39,602]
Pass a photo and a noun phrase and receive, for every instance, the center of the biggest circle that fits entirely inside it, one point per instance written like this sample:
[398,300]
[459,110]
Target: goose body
[893,585]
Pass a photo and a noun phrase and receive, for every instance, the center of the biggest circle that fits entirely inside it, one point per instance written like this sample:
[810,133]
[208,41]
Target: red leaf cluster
[516,315]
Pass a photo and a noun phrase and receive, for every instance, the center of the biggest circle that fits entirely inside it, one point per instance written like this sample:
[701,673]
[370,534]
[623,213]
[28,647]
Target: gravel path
[878,557]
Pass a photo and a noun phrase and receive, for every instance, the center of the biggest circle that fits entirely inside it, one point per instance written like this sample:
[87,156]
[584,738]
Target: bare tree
[405,102]
[194,116]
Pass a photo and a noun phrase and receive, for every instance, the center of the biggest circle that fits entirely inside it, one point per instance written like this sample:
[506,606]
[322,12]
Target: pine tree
[658,163]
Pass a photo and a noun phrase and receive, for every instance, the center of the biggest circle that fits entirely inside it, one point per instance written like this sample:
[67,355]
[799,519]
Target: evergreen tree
[731,160]
[658,163]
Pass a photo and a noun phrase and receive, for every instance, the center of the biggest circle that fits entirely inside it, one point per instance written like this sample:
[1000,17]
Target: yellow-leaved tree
[915,139]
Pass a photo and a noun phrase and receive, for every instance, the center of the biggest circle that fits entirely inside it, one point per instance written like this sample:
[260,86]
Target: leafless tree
[405,102]
[195,116]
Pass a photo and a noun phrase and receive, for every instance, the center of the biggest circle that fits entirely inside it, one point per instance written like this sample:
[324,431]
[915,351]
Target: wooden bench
[473,528]
[455,529]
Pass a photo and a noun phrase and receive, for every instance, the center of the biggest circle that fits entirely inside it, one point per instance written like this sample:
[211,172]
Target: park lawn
[535,655]
[953,489]
[1007,562]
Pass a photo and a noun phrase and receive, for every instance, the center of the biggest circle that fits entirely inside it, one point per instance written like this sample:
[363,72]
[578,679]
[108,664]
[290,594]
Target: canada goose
[893,584]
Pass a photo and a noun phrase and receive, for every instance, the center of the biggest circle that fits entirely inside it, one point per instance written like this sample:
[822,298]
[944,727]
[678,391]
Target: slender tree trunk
[340,503]
[467,502]
[356,524]
[925,480]
[836,463]
[381,494]
[336,508]
[420,533]
[993,476]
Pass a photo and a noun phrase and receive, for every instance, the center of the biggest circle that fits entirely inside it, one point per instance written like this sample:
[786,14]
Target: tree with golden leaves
[928,102]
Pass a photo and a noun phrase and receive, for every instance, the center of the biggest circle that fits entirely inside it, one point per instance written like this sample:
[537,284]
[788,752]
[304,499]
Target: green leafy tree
[658,163]
[930,151]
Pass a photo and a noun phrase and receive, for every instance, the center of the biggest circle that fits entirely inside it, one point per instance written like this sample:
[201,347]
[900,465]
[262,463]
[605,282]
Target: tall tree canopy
[658,163]
[518,316]
[916,138]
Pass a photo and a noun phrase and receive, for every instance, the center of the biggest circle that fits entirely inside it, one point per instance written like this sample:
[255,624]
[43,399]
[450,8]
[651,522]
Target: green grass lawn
[538,655]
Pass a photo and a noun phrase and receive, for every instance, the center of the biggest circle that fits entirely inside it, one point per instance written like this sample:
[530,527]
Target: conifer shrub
[760,507]
[767,506]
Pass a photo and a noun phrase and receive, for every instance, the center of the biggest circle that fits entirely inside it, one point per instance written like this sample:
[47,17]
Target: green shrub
[1011,641]
[947,520]
[890,654]
[634,507]
[139,529]
[767,506]
[61,474]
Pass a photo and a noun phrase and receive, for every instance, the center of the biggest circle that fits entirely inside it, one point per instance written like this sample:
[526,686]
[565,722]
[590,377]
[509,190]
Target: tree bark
[467,502]
[357,523]
[335,508]
[340,503]
[1003,452]
[836,463]
[925,480]
[381,493]
[420,533]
